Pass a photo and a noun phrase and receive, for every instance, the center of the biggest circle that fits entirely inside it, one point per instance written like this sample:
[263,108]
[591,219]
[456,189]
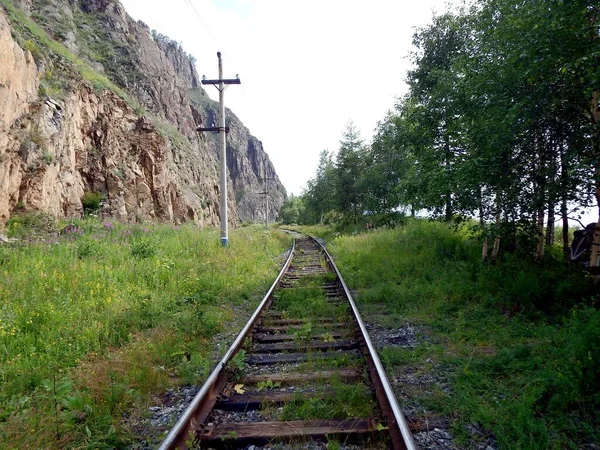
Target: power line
[189,3]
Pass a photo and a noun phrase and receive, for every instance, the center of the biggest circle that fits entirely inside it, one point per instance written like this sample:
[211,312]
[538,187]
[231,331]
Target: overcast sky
[307,67]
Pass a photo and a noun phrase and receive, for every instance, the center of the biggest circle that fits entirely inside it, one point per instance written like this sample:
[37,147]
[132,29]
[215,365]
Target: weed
[87,247]
[47,157]
[237,365]
[142,246]
[348,400]
[267,385]
[520,358]
[33,49]
[83,308]
[304,333]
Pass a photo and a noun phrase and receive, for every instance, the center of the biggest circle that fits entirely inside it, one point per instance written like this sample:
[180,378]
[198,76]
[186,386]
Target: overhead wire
[191,5]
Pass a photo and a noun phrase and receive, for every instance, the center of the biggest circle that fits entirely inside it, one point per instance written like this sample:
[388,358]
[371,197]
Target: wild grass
[47,43]
[520,341]
[307,303]
[98,319]
[347,401]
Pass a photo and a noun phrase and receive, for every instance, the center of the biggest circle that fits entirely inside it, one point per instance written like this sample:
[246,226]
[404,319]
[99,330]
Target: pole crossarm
[215,129]
[224,81]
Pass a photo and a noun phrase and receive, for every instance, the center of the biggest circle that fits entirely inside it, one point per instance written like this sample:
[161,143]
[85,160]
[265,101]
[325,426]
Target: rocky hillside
[93,103]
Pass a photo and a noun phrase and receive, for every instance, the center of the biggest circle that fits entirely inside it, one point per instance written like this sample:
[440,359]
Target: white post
[223,156]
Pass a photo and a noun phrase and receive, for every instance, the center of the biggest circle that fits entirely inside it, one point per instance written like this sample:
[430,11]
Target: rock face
[113,111]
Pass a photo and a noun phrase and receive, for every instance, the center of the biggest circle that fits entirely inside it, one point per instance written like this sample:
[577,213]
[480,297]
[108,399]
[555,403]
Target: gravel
[153,429]
[406,336]
[419,380]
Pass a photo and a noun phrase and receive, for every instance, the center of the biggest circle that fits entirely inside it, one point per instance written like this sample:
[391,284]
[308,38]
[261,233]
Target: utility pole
[266,194]
[221,84]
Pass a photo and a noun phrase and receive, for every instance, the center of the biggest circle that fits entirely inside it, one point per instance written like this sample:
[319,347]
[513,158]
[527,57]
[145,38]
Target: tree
[319,197]
[349,165]
[292,211]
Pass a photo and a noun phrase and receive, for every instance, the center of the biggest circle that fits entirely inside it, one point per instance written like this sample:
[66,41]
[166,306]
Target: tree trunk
[565,231]
[595,253]
[564,179]
[448,156]
[539,253]
[551,226]
[484,251]
[541,187]
[496,247]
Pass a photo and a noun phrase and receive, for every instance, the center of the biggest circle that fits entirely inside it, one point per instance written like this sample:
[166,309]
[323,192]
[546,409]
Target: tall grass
[97,319]
[521,341]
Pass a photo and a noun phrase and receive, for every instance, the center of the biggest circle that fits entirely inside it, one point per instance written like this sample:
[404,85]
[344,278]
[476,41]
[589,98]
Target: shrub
[91,201]
[87,247]
[142,246]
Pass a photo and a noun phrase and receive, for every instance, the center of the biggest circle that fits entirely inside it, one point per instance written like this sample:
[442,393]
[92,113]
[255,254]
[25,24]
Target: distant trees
[292,211]
[500,122]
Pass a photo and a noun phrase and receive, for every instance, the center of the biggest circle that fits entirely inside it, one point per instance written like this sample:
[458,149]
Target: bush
[576,378]
[142,246]
[91,202]
[87,247]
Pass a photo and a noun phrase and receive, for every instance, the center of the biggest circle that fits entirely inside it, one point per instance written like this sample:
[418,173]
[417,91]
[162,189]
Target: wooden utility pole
[221,84]
[266,194]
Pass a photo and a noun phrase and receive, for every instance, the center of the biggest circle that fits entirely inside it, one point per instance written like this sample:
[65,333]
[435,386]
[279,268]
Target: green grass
[520,341]
[46,43]
[307,303]
[348,401]
[96,321]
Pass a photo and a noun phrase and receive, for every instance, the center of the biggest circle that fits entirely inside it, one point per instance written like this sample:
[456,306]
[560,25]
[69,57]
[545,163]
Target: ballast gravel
[422,379]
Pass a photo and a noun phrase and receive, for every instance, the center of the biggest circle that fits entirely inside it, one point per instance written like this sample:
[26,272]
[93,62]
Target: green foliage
[142,246]
[40,39]
[348,400]
[47,157]
[80,309]
[52,85]
[88,247]
[267,385]
[33,49]
[497,124]
[237,365]
[91,201]
[518,339]
[20,225]
[292,211]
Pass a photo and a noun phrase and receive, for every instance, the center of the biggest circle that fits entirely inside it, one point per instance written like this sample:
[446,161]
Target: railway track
[303,368]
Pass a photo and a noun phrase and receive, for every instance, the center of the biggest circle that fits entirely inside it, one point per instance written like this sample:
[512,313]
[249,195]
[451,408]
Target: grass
[347,401]
[96,321]
[41,41]
[307,303]
[519,342]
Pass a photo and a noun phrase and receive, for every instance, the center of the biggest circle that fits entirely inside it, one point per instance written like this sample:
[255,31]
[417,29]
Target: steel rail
[391,397]
[183,423]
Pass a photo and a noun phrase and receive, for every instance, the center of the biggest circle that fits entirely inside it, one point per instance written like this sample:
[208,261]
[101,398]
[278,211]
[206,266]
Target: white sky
[307,67]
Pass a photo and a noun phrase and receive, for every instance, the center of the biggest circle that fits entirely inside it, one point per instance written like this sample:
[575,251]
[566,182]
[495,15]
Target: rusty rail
[191,424]
[399,430]
[182,428]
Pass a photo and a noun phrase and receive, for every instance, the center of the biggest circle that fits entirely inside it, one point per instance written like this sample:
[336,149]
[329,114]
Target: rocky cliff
[92,102]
